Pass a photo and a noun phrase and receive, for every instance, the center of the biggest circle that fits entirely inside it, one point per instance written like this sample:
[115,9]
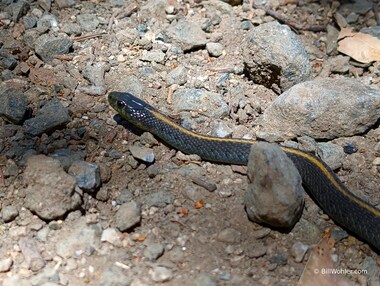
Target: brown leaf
[319,266]
[199,204]
[359,46]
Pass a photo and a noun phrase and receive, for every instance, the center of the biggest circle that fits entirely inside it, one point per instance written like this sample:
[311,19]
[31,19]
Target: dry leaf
[199,204]
[183,211]
[359,46]
[319,266]
[346,32]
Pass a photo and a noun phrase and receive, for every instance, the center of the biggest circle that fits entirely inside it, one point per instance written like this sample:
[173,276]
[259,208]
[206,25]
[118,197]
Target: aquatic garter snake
[322,184]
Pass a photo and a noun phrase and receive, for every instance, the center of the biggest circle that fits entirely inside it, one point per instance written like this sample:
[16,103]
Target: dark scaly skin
[322,184]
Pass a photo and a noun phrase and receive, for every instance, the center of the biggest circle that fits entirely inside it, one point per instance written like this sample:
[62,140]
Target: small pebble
[229,235]
[6,264]
[161,274]
[9,213]
[128,215]
[112,236]
[215,49]
[298,251]
[153,251]
[142,153]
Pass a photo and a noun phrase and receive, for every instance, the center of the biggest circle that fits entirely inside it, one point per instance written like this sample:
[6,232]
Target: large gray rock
[128,215]
[51,191]
[275,194]
[322,109]
[13,104]
[200,100]
[47,46]
[275,57]
[50,117]
[188,34]
[79,237]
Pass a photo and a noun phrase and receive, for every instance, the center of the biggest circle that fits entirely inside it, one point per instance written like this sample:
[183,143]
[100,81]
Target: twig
[86,37]
[121,14]
[293,25]
[376,12]
[2,180]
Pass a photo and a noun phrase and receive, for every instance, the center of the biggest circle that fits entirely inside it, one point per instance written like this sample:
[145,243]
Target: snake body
[345,208]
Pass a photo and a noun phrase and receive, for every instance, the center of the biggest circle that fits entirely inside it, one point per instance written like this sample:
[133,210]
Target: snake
[322,184]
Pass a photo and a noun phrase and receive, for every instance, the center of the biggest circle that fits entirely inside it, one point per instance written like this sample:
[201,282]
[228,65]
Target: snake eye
[120,104]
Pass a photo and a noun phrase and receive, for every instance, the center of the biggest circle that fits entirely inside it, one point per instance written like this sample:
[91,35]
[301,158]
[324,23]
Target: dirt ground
[206,236]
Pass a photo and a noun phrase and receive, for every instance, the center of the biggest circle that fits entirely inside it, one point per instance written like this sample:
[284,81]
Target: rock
[19,9]
[65,3]
[308,231]
[45,4]
[72,29]
[50,193]
[153,56]
[176,255]
[229,235]
[233,2]
[257,251]
[321,109]
[87,175]
[11,169]
[154,9]
[332,39]
[7,61]
[5,264]
[112,236]
[279,259]
[331,154]
[47,46]
[125,196]
[339,234]
[67,156]
[372,268]
[31,254]
[15,280]
[48,21]
[275,57]
[128,216]
[79,238]
[222,130]
[114,276]
[158,199]
[153,251]
[50,117]
[9,213]
[220,6]
[360,7]
[199,100]
[215,49]
[161,274]
[48,276]
[129,84]
[88,22]
[188,34]
[95,73]
[340,64]
[274,195]
[204,279]
[177,76]
[13,104]
[142,153]
[298,251]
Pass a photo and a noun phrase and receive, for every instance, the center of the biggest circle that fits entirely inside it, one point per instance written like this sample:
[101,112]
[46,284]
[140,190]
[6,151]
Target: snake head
[130,107]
